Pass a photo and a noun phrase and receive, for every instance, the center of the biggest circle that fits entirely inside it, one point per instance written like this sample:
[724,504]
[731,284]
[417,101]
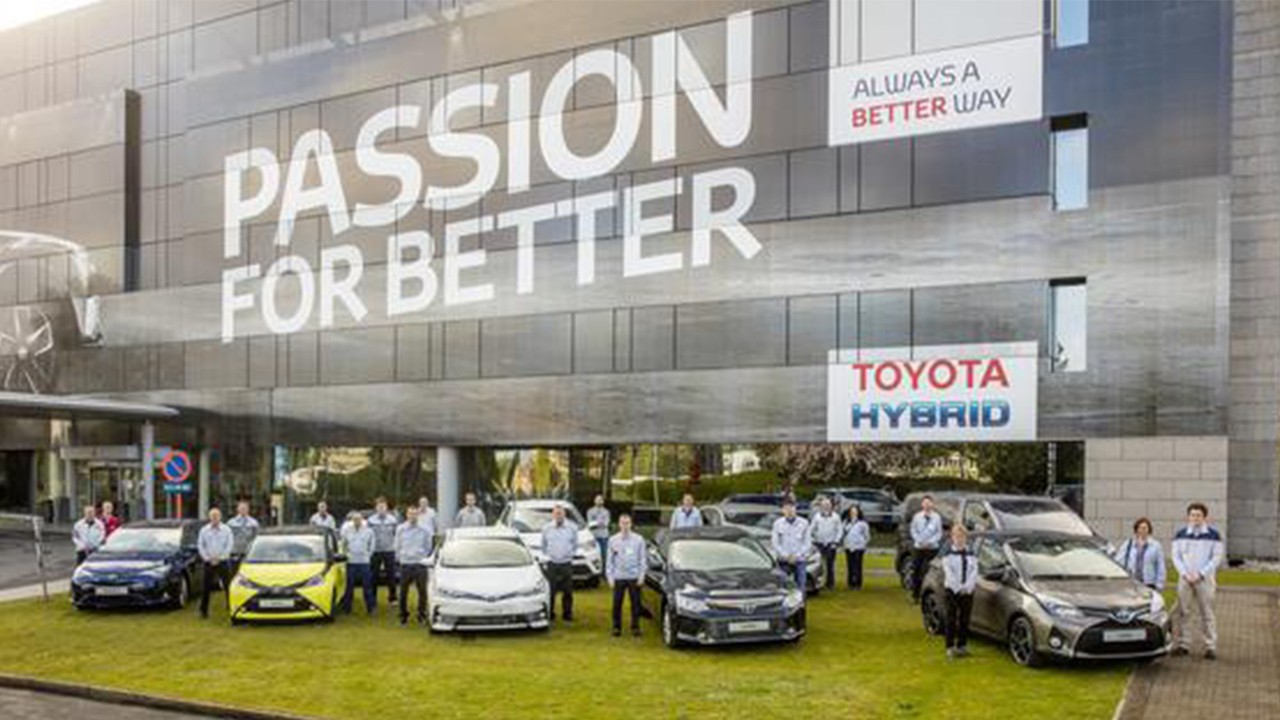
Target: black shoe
[1180,651]
[617,632]
[404,621]
[635,631]
[568,618]
[422,622]
[1210,654]
[204,616]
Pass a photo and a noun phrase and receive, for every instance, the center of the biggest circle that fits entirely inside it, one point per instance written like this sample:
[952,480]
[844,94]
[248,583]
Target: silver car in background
[527,518]
[1053,595]
[484,578]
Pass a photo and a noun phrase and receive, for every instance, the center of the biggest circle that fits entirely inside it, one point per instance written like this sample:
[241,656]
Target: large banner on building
[914,67]
[943,393]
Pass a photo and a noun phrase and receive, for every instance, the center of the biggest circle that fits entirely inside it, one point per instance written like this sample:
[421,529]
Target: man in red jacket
[109,520]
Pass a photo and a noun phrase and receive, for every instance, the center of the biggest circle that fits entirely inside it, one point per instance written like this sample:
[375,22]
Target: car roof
[296,530]
[540,503]
[706,532]
[1005,536]
[500,532]
[150,524]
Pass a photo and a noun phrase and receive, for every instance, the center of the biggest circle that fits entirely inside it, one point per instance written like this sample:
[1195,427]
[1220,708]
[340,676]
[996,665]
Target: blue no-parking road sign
[176,468]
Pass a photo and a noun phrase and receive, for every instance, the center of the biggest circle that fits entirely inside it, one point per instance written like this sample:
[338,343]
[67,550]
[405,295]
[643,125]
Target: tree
[1021,467]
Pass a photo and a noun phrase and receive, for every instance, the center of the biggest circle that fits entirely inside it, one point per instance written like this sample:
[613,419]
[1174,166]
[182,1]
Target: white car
[484,578]
[527,518]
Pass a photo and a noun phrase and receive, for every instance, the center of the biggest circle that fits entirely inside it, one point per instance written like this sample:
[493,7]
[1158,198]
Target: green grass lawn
[865,656]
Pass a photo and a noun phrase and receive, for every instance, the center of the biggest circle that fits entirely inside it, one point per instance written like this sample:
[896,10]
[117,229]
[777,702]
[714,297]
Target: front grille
[1091,640]
[746,605]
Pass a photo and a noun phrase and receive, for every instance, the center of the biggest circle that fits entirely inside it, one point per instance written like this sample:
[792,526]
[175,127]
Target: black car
[983,512]
[143,564]
[721,585]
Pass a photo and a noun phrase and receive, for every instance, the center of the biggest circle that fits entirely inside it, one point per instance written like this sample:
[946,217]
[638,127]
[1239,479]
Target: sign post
[176,467]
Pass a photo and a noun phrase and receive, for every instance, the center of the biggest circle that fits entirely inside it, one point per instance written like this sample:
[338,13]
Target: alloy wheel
[1022,642]
[931,613]
[26,350]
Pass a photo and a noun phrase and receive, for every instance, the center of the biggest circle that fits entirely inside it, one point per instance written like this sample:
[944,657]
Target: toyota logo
[1124,616]
[748,608]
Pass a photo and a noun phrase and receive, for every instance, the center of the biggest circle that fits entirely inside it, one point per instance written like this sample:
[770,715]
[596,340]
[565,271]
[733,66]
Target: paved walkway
[1244,683]
[26,705]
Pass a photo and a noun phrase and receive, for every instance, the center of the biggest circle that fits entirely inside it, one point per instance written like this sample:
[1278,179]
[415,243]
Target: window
[1070,162]
[976,518]
[991,558]
[1070,23]
[1069,320]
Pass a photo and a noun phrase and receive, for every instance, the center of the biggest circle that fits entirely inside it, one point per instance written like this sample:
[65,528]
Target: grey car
[758,521]
[1055,596]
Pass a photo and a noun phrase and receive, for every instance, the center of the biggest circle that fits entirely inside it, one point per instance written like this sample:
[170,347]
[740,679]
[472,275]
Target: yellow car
[289,574]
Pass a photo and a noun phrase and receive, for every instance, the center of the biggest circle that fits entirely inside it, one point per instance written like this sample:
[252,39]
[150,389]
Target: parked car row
[1048,586]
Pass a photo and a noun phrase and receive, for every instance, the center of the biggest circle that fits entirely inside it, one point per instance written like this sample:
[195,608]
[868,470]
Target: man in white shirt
[470,515]
[322,518]
[88,534]
[827,532]
[791,543]
[686,516]
[1197,554]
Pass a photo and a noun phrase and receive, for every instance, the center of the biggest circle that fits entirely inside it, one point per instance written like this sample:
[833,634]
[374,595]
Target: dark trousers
[81,556]
[631,589]
[413,575]
[828,553]
[920,559]
[219,574]
[853,563]
[560,577]
[959,607]
[360,574]
[798,571]
[383,567]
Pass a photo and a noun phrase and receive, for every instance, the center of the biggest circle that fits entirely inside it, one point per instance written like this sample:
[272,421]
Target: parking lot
[864,651]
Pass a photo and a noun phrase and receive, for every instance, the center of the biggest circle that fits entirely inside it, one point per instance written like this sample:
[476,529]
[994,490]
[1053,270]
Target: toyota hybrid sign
[952,393]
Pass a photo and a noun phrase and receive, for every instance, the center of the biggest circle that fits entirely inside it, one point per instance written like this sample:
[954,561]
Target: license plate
[1123,635]
[275,604]
[749,626]
[111,590]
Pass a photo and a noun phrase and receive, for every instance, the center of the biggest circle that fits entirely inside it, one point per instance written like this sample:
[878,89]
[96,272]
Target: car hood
[756,580]
[1101,594]
[123,563]
[488,581]
[281,574]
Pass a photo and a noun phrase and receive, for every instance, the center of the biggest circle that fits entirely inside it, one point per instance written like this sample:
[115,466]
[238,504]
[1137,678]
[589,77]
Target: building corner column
[448,485]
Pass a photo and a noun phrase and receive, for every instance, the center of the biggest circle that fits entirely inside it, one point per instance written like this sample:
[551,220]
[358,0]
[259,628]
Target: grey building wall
[1255,280]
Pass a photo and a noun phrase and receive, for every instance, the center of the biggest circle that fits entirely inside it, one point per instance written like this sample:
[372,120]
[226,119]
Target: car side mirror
[655,561]
[999,574]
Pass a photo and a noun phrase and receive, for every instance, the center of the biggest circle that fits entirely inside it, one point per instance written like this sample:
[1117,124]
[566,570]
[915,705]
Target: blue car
[143,564]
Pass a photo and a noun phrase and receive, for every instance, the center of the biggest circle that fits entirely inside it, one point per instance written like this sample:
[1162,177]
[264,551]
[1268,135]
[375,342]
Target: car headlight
[686,602]
[1060,609]
[156,572]
[313,581]
[449,593]
[1157,603]
[793,601]
[245,582]
[587,545]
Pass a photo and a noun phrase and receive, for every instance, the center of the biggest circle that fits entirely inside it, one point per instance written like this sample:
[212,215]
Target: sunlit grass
[866,656]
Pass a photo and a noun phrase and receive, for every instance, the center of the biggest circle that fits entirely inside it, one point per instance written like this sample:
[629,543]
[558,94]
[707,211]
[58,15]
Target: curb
[127,698]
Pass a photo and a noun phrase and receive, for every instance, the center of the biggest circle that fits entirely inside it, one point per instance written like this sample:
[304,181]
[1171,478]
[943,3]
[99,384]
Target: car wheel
[184,593]
[1022,643]
[935,622]
[669,636]
[902,567]
[594,582]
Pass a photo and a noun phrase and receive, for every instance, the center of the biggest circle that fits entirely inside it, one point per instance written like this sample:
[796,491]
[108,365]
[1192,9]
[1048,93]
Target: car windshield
[1068,559]
[143,540]
[753,519]
[861,496]
[703,555]
[286,549]
[484,554]
[532,519]
[1030,514]
[755,499]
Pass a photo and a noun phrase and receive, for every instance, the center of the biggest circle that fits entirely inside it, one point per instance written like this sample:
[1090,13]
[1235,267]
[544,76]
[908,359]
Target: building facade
[523,222]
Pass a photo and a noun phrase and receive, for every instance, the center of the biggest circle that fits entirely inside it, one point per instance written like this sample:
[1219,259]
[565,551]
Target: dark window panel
[738,333]
[884,319]
[462,350]
[527,345]
[886,174]
[593,341]
[811,329]
[651,338]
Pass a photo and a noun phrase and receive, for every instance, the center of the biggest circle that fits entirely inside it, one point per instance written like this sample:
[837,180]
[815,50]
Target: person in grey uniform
[244,528]
[926,537]
[426,515]
[960,577]
[357,540]
[88,534]
[857,536]
[215,544]
[791,543]
[559,540]
[626,560]
[322,518]
[470,515]
[413,546]
[827,531]
[598,519]
[383,523]
[686,516]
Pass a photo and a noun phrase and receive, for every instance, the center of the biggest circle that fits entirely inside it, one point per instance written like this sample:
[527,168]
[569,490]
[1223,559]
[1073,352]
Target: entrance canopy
[73,406]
